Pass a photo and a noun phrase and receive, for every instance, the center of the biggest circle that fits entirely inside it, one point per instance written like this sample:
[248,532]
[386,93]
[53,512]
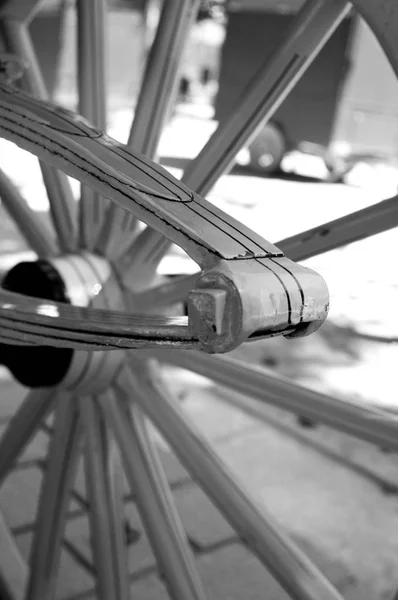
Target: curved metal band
[210,236]
[56,324]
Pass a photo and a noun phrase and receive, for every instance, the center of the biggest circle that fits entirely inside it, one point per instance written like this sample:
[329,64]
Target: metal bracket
[239,300]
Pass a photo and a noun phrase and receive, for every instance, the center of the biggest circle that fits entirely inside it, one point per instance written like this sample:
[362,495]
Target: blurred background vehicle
[341,109]
[333,112]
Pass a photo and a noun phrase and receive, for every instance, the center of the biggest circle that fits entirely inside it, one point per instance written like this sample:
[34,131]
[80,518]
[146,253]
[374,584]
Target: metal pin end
[12,67]
[206,310]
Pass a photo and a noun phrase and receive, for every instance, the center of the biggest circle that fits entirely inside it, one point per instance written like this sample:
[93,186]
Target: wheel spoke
[154,500]
[117,228]
[354,227]
[310,31]
[292,569]
[23,426]
[19,10]
[62,203]
[13,569]
[91,36]
[163,295]
[63,456]
[109,551]
[116,493]
[366,423]
[29,223]
[161,75]
[132,266]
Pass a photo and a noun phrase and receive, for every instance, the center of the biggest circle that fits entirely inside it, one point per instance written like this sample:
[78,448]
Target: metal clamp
[245,299]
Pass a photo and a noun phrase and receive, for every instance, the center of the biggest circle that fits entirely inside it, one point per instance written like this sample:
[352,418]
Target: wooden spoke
[108,546]
[62,203]
[30,224]
[161,75]
[335,234]
[91,41]
[23,426]
[165,294]
[19,10]
[155,501]
[13,569]
[297,575]
[367,423]
[57,483]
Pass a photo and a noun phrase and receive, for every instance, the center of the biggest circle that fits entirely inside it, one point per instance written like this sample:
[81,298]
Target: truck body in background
[345,101]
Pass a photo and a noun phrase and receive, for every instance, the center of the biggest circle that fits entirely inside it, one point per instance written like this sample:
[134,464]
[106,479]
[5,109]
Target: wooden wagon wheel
[91,303]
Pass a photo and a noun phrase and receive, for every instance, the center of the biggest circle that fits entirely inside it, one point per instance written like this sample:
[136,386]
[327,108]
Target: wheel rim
[103,416]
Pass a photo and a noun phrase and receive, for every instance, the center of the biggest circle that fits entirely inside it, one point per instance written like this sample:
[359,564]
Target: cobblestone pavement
[335,496]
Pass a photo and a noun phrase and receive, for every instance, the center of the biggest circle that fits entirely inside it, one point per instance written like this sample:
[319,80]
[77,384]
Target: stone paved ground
[335,496]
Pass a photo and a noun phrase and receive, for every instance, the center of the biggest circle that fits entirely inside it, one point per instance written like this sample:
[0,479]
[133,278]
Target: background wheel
[267,150]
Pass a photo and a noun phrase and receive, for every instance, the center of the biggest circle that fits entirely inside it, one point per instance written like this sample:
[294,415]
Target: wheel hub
[78,279]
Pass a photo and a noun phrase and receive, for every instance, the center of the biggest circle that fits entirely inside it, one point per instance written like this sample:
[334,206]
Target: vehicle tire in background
[267,150]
